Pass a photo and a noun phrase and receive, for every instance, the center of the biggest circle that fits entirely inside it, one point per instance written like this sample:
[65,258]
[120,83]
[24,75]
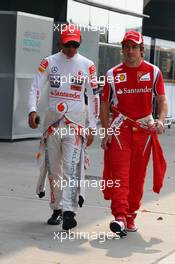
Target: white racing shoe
[118,226]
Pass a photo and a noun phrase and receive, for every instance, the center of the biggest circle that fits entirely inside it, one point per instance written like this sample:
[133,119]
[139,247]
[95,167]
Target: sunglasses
[72,44]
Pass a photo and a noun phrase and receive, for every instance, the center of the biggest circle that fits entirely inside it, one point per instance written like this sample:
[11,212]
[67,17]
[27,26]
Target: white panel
[33,43]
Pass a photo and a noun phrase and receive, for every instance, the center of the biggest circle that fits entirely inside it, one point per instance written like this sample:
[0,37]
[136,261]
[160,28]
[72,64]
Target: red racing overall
[131,91]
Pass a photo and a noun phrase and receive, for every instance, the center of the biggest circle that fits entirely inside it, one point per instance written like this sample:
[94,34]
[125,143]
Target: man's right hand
[106,141]
[32,120]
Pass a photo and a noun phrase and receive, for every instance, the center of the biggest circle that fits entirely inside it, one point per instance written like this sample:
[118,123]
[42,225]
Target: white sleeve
[93,97]
[39,80]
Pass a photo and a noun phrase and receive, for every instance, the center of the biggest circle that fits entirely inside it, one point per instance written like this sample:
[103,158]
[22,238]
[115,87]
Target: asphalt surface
[26,238]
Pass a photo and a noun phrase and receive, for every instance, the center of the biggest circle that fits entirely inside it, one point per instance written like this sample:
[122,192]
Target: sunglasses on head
[73,44]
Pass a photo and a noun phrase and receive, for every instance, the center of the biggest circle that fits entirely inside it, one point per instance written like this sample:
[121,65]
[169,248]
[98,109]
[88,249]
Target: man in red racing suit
[130,87]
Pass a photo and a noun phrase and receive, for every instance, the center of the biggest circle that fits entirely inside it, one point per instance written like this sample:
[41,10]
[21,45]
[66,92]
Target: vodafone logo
[61,107]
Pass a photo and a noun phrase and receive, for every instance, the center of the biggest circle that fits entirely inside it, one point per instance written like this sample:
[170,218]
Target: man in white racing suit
[68,74]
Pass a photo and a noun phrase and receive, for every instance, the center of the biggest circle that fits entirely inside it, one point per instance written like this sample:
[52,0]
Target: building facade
[111,25]
[110,18]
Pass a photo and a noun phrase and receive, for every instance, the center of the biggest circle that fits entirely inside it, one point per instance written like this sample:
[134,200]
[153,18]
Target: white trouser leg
[71,149]
[63,157]
[54,161]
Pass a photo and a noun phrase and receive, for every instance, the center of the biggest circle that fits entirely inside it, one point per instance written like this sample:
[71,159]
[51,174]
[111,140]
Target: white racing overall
[64,152]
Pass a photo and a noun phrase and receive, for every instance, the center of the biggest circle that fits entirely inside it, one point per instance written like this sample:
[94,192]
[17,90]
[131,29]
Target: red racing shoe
[131,226]
[119,226]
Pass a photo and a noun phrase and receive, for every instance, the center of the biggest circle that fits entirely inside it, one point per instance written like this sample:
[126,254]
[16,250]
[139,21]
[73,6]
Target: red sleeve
[159,84]
[106,94]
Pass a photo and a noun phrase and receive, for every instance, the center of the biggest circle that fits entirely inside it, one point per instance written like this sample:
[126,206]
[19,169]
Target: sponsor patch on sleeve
[92,69]
[93,82]
[43,66]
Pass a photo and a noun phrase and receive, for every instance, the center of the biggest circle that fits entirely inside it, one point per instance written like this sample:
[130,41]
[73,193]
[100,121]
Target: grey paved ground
[25,238]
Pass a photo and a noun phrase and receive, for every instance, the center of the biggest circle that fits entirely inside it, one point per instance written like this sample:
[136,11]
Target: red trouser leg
[120,155]
[141,148]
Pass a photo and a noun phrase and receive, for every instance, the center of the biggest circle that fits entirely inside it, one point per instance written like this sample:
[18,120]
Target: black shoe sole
[69,224]
[116,228]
